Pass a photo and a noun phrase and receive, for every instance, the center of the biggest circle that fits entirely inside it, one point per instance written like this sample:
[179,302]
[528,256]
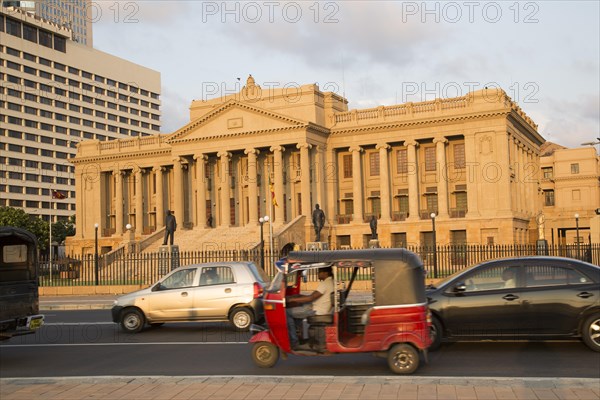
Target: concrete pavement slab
[300,387]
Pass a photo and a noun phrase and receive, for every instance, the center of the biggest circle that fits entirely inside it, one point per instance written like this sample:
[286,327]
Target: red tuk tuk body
[391,321]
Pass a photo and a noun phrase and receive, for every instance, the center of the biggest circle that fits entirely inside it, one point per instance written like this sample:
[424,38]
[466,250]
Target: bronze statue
[170,227]
[318,220]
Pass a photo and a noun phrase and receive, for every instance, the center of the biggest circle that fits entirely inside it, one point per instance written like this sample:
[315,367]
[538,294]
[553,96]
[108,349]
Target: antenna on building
[343,78]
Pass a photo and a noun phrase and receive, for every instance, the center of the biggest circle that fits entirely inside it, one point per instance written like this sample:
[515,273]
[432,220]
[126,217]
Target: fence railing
[146,268]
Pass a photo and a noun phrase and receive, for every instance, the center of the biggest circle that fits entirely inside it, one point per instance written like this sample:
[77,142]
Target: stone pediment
[234,118]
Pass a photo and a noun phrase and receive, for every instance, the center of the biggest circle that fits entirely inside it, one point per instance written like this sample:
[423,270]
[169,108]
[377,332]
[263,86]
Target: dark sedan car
[529,298]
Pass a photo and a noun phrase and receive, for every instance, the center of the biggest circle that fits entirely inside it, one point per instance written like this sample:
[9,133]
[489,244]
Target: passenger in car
[209,277]
[509,278]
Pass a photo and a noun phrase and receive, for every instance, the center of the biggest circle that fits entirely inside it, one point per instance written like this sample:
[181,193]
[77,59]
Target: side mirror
[460,287]
[304,276]
[157,287]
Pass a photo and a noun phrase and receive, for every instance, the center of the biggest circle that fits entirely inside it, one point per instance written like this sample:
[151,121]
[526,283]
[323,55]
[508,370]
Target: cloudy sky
[544,54]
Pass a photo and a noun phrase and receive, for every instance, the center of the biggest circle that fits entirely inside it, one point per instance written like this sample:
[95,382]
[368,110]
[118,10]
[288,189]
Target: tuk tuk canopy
[398,276]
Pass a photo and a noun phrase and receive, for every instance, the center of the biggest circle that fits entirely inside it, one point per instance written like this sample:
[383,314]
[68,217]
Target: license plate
[36,323]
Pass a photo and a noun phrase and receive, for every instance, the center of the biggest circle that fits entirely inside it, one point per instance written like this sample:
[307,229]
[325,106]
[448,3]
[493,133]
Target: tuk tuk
[390,319]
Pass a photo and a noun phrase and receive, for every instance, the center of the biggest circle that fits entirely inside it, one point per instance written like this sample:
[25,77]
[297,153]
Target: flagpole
[50,237]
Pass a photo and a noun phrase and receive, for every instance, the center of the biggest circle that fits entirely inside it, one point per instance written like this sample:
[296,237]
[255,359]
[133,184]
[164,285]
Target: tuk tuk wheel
[435,332]
[403,359]
[265,354]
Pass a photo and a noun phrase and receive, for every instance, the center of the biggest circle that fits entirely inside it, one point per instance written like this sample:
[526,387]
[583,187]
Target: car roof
[539,258]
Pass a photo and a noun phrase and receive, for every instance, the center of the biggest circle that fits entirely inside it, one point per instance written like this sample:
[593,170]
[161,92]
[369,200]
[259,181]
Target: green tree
[61,229]
[16,217]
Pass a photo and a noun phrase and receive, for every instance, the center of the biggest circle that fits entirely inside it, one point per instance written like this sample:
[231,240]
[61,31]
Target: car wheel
[436,333]
[242,318]
[403,359]
[591,332]
[132,320]
[265,354]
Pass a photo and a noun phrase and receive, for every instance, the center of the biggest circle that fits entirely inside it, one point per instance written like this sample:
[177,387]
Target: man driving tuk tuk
[389,318]
[304,306]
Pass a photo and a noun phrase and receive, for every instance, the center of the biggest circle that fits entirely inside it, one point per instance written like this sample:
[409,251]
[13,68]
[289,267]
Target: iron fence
[147,268]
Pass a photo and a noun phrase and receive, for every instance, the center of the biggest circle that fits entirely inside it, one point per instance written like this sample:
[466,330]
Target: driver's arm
[301,299]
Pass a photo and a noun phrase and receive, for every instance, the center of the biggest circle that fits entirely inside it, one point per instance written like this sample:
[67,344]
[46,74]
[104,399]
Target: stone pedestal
[541,247]
[168,259]
[316,246]
[374,244]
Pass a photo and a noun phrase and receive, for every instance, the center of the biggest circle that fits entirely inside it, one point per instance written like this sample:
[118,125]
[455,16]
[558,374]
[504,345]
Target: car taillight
[258,290]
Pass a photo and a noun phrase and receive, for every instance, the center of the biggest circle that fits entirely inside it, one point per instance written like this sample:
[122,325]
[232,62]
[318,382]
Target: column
[357,185]
[521,175]
[118,176]
[473,176]
[201,188]
[178,193]
[384,181]
[252,186]
[139,202]
[320,176]
[532,172]
[278,184]
[225,207]
[413,180]
[305,178]
[160,205]
[442,186]
[81,199]
[330,173]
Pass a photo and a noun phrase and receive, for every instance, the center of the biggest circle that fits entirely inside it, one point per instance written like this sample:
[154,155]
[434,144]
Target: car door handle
[585,295]
[510,297]
[228,290]
[183,294]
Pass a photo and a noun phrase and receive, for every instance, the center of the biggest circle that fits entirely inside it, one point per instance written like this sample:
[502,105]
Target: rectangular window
[45,38]
[459,156]
[30,33]
[374,164]
[547,172]
[13,27]
[402,161]
[575,168]
[347,161]
[429,158]
[548,198]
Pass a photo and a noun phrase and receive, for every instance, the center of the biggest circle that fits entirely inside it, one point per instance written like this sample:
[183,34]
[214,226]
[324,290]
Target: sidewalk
[301,387]
[95,302]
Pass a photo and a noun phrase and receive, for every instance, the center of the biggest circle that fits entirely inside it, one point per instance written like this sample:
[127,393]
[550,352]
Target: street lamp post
[96,252]
[262,220]
[577,235]
[435,264]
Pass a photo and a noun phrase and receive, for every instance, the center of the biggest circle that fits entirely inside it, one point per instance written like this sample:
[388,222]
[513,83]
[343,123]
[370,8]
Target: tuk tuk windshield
[275,284]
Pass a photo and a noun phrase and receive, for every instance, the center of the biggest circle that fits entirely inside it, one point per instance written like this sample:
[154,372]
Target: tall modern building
[54,93]
[72,14]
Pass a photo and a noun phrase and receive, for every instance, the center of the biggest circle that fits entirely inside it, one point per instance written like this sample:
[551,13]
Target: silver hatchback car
[218,291]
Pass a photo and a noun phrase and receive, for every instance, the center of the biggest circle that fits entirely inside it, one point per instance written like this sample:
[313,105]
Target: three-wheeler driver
[391,319]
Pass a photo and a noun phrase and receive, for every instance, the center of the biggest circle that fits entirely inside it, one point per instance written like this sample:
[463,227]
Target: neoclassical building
[473,161]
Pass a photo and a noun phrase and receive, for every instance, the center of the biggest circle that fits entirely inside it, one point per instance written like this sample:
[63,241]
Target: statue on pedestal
[318,220]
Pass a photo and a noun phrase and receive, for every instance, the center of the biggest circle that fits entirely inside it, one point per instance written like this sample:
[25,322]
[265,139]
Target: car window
[492,278]
[216,276]
[547,275]
[180,279]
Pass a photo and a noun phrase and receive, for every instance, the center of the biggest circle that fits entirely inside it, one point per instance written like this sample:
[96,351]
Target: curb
[548,383]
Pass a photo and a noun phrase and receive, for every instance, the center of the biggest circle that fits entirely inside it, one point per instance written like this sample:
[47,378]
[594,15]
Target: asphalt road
[87,343]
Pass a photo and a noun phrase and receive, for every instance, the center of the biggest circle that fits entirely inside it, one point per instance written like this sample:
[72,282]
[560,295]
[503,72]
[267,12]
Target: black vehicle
[19,301]
[527,298]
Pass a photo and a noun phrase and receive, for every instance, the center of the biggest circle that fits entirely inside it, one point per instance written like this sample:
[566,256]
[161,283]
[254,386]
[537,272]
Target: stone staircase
[232,238]
[222,238]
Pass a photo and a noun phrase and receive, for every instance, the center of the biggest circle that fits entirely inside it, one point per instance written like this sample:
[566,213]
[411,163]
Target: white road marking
[120,344]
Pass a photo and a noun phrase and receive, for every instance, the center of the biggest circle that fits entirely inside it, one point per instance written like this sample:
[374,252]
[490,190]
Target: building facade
[570,187]
[54,93]
[75,15]
[472,161]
